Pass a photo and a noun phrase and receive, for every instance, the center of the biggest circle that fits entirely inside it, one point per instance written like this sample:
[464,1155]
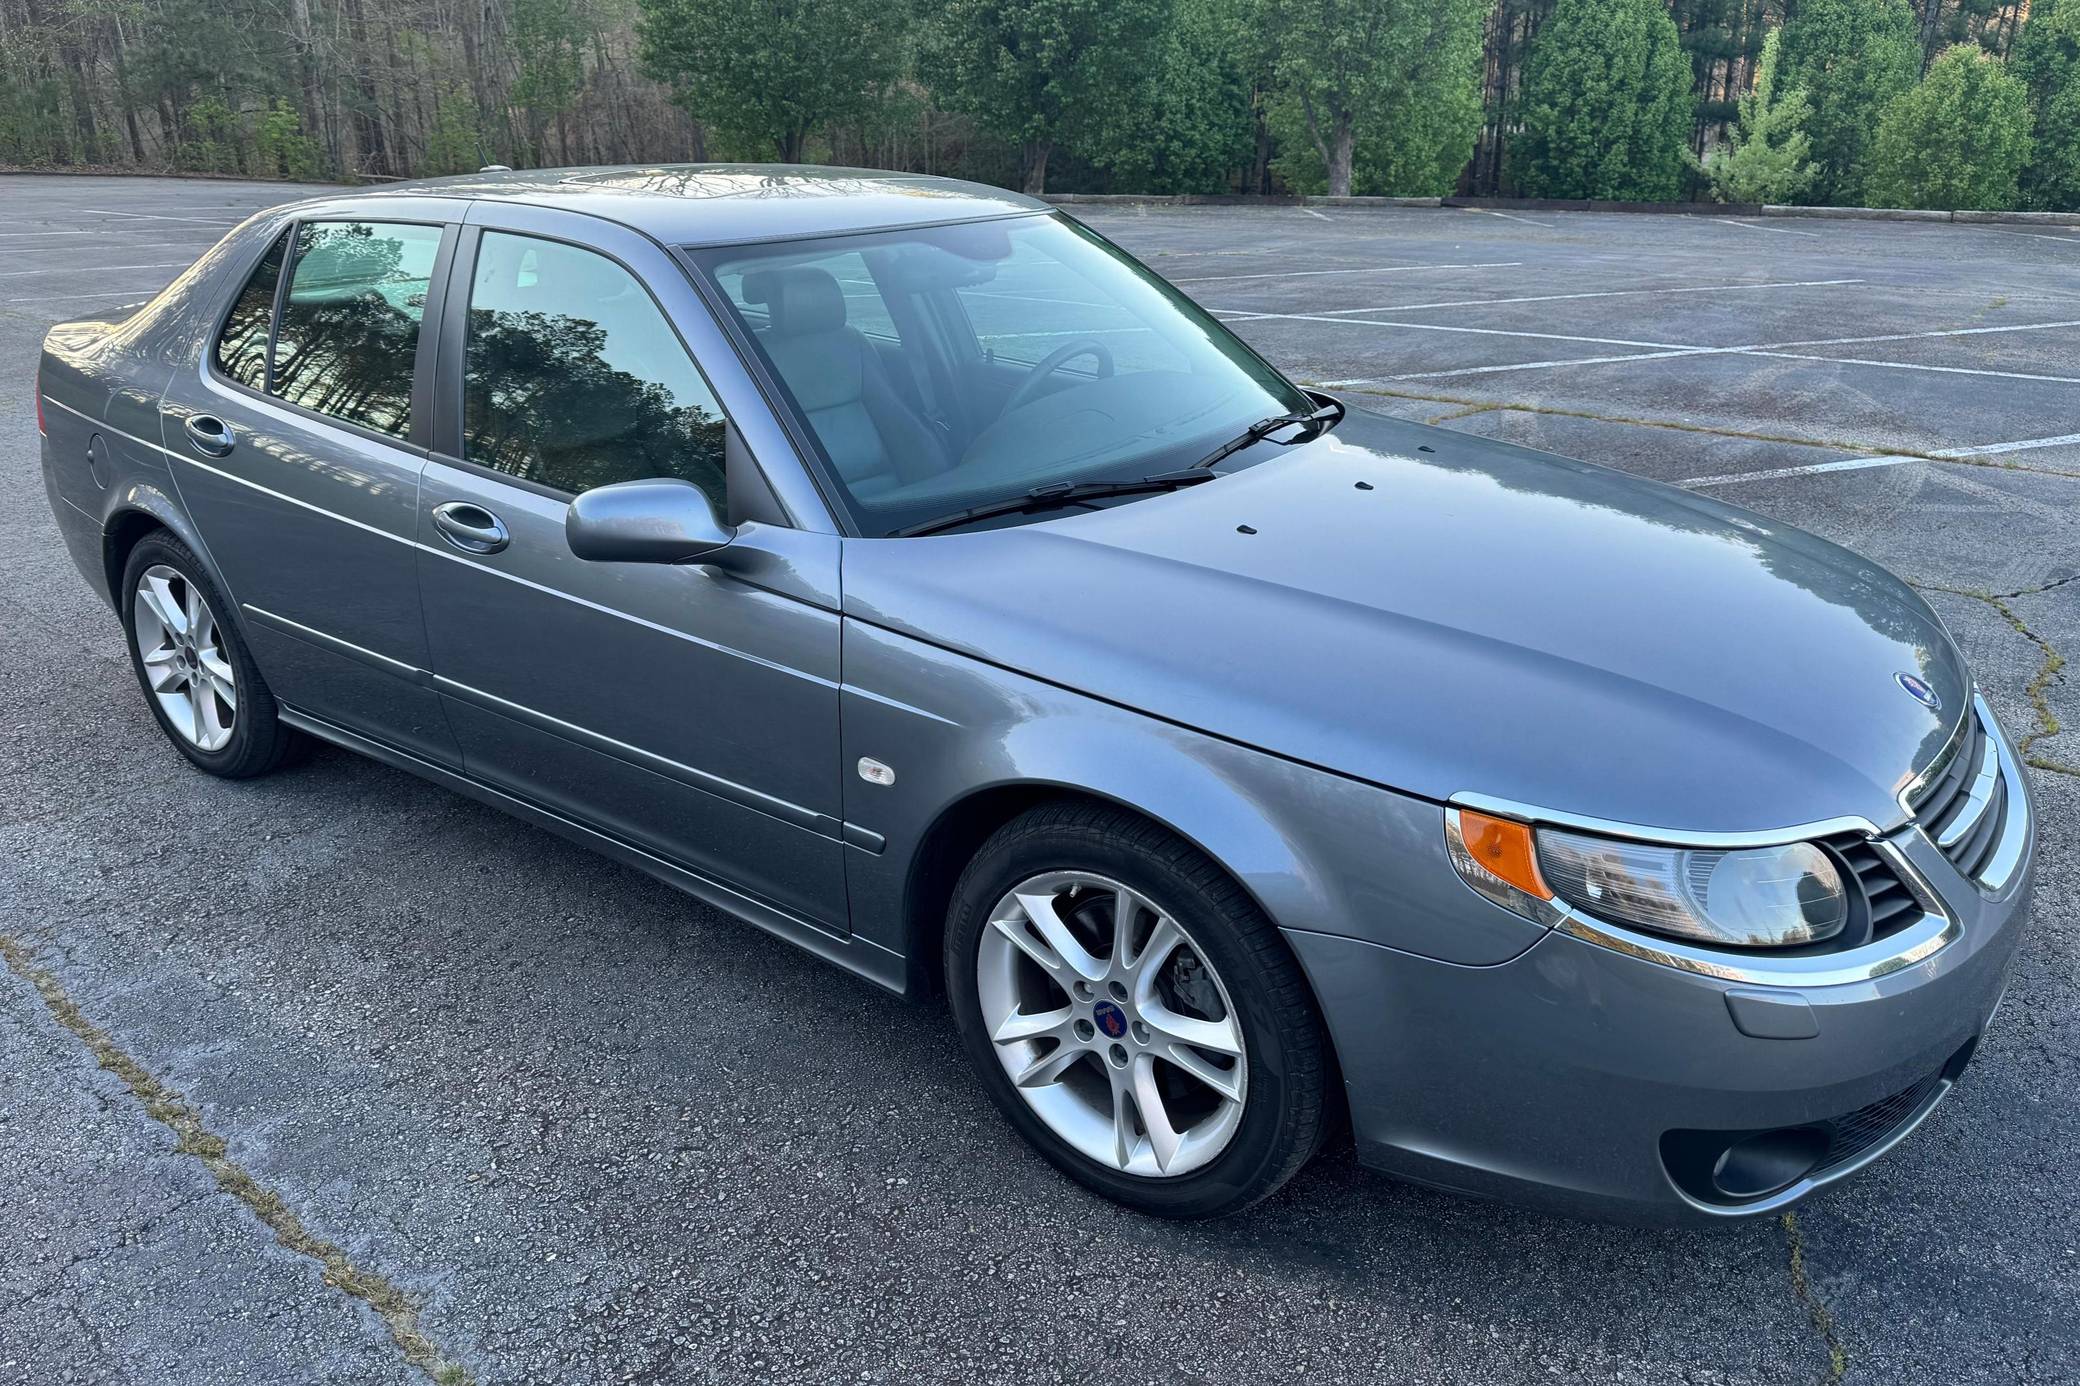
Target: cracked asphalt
[596,1132]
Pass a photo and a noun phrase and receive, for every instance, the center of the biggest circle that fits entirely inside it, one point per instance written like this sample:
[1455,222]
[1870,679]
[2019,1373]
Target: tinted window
[1137,379]
[573,378]
[242,345]
[350,329]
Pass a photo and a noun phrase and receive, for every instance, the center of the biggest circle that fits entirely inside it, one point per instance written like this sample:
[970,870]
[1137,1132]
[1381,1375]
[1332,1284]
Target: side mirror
[663,521]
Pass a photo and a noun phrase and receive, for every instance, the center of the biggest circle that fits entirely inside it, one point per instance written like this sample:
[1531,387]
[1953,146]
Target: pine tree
[1960,139]
[1766,160]
[2047,60]
[1851,58]
[1607,105]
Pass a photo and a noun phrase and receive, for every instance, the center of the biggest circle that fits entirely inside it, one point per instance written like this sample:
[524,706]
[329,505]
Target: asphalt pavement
[337,1076]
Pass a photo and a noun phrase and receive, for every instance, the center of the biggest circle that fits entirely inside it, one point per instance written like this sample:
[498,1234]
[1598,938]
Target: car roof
[724,204]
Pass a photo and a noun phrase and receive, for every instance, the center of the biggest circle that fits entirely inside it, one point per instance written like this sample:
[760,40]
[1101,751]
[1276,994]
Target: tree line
[1939,103]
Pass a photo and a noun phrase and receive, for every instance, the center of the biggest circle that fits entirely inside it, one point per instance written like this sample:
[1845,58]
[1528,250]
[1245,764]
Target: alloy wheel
[184,658]
[1112,1024]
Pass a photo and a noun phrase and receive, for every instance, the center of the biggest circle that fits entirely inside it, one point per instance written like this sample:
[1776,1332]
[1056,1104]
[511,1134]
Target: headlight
[1767,897]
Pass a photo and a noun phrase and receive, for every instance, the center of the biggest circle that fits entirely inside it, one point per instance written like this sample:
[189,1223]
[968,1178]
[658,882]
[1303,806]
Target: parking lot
[440,1094]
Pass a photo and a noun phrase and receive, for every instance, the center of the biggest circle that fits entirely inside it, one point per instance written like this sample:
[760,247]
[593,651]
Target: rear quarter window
[241,350]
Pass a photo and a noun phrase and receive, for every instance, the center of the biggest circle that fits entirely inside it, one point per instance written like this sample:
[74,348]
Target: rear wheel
[198,678]
[1134,1014]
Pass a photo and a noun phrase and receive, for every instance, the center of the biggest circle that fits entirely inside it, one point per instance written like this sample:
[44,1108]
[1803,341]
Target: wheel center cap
[1110,1019]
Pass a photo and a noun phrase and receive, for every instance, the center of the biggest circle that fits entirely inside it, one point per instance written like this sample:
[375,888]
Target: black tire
[260,743]
[1285,1108]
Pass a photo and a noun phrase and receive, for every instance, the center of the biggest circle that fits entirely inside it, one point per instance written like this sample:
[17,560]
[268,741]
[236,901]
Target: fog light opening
[1768,1163]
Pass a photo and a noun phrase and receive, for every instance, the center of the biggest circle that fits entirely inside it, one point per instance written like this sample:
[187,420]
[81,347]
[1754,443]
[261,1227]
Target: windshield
[945,367]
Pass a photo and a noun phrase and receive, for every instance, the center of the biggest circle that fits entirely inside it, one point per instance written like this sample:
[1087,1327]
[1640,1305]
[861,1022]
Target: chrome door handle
[209,435]
[471,528]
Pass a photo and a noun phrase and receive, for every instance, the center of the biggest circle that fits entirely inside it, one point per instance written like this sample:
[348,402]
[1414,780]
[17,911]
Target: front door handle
[209,435]
[471,528]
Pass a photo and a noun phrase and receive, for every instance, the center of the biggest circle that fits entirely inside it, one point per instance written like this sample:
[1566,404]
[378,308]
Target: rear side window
[242,345]
[349,333]
[573,378]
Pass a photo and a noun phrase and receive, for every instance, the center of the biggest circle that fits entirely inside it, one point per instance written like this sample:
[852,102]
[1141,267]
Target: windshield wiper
[1322,420]
[1057,495]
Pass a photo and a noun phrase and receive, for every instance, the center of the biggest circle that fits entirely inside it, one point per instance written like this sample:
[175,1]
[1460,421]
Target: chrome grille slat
[1969,814]
[1967,806]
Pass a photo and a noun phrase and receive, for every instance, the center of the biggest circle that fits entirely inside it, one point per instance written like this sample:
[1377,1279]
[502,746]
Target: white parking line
[1750,226]
[1598,293]
[1669,350]
[1370,269]
[1917,366]
[159,216]
[1509,216]
[94,269]
[138,294]
[1318,216]
[1990,449]
[2035,236]
[1840,464]
[1853,464]
[1475,331]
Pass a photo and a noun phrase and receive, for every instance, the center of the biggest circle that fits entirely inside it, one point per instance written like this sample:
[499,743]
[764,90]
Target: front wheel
[1134,1014]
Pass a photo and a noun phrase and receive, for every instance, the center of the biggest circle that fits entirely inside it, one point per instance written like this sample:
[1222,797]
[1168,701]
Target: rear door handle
[471,528]
[209,435]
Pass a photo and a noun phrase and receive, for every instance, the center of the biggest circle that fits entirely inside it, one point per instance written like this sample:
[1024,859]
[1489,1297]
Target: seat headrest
[798,300]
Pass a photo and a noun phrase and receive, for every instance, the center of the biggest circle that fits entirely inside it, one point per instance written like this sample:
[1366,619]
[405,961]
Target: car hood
[1438,614]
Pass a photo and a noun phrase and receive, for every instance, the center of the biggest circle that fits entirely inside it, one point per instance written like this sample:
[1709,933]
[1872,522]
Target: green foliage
[1960,139]
[2047,60]
[280,147]
[1043,72]
[1765,161]
[548,36]
[1397,80]
[772,71]
[455,144]
[1851,58]
[212,143]
[1606,106]
[1193,126]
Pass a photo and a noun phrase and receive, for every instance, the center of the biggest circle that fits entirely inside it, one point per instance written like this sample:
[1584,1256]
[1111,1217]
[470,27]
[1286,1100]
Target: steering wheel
[1054,361]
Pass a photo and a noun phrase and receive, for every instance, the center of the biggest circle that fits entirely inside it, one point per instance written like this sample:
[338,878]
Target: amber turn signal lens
[1504,848]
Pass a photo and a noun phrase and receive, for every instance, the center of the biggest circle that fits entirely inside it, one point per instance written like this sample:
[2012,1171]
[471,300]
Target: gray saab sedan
[894,564]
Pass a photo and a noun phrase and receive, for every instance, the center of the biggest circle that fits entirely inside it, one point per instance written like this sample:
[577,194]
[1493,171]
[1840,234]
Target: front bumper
[1577,1077]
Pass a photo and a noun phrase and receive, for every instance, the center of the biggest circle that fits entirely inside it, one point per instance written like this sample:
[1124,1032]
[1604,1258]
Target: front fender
[1318,851]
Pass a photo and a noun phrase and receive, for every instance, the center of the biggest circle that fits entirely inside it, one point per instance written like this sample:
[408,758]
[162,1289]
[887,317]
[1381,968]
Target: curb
[1537,204]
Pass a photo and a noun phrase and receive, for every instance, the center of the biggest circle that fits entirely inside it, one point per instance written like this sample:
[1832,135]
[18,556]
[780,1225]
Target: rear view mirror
[662,521]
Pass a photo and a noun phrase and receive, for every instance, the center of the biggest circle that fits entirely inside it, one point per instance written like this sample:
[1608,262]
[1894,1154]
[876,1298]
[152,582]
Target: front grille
[1849,1136]
[1889,904]
[1967,807]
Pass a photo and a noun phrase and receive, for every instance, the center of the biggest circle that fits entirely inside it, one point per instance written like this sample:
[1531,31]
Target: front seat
[874,439]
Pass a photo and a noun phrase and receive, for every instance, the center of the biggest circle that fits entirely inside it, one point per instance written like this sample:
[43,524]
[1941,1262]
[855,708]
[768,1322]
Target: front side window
[241,351]
[349,335]
[573,377]
[1040,355]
